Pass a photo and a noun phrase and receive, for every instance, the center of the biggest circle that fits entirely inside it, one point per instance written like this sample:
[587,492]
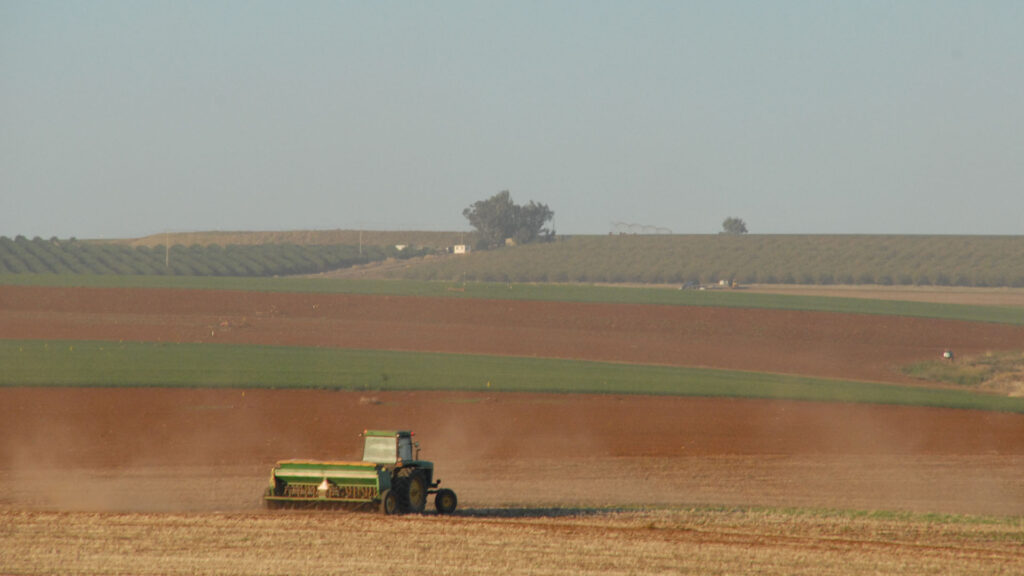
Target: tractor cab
[389,447]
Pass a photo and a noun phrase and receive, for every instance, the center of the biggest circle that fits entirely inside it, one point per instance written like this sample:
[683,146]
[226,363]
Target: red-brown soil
[175,449]
[157,449]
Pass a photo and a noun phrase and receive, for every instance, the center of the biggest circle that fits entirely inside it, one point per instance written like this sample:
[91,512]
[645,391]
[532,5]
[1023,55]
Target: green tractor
[389,476]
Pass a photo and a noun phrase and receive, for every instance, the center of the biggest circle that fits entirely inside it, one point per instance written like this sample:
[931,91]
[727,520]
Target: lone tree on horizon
[735,226]
[498,219]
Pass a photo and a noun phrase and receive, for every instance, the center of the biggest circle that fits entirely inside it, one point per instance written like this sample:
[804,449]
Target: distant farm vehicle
[389,476]
[720,285]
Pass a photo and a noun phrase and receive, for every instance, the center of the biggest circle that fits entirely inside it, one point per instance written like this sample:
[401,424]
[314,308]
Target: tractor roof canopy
[387,433]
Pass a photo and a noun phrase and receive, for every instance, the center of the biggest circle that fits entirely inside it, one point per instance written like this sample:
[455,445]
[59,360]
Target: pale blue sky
[122,119]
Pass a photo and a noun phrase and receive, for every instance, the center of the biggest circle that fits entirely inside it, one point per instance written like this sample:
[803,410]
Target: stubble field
[167,480]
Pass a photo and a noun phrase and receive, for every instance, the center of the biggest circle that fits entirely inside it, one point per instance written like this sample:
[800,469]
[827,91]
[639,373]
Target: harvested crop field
[489,542]
[168,480]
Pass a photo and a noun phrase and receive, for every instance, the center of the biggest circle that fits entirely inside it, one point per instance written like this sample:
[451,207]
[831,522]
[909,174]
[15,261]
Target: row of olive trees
[54,256]
[708,259]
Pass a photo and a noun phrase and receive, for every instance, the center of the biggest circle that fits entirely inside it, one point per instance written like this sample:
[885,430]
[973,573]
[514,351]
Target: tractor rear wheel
[388,502]
[445,501]
[411,486]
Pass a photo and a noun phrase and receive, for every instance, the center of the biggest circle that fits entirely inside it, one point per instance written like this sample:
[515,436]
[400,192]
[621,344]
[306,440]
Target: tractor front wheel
[445,501]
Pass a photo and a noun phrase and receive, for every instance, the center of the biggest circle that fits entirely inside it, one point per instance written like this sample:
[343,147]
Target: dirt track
[938,294]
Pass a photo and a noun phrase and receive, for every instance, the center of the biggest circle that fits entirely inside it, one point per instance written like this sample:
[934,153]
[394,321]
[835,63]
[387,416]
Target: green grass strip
[95,363]
[545,292]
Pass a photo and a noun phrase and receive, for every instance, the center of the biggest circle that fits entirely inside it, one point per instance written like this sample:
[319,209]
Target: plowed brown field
[850,346]
[72,458]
